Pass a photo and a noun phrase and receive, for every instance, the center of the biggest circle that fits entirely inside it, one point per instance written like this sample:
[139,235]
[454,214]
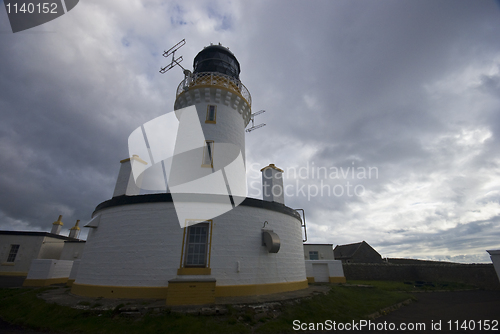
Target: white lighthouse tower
[136,248]
[223,103]
[213,108]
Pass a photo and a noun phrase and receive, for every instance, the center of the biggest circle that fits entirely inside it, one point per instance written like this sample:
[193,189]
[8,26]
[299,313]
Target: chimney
[272,184]
[74,232]
[56,226]
[125,183]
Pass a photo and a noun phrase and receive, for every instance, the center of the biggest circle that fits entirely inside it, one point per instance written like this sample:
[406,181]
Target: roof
[204,198]
[216,58]
[272,166]
[346,251]
[318,245]
[218,48]
[38,234]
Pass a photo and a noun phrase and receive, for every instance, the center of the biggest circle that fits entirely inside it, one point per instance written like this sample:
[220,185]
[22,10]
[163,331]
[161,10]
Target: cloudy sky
[385,115]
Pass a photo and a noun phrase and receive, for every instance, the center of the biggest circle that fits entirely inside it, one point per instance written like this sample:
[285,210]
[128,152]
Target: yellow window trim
[196,271]
[208,120]
[212,157]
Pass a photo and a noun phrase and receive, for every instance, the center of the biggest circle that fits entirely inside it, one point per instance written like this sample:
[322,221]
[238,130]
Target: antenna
[252,118]
[174,61]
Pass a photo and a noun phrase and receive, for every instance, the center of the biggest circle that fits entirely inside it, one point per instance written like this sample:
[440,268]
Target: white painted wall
[51,248]
[320,272]
[48,268]
[140,245]
[72,250]
[237,237]
[325,251]
[74,270]
[125,183]
[134,245]
[232,114]
[29,248]
[272,185]
[334,267]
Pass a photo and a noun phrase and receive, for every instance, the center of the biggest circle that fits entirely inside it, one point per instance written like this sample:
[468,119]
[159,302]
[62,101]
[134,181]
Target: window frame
[189,230]
[208,148]
[311,253]
[195,270]
[208,119]
[11,257]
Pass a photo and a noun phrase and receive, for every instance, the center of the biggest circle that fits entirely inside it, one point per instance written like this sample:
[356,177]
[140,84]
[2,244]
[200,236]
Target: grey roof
[346,251]
[318,245]
[167,197]
[38,234]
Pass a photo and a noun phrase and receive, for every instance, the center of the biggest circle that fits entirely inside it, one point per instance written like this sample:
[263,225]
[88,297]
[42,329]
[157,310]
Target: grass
[416,286]
[342,303]
[22,307]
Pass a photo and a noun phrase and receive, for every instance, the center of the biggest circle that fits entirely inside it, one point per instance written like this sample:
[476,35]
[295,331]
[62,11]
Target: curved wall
[231,116]
[139,246]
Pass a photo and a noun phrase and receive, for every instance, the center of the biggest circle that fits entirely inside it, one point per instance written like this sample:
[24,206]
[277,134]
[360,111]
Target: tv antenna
[252,118]
[174,61]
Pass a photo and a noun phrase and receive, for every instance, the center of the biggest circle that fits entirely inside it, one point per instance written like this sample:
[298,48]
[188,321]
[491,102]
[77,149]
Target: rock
[135,314]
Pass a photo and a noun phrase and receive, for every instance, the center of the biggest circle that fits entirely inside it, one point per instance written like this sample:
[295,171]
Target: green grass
[22,307]
[416,286]
[342,303]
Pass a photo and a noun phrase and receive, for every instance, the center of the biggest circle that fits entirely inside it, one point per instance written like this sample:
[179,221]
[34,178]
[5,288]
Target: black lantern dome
[216,58]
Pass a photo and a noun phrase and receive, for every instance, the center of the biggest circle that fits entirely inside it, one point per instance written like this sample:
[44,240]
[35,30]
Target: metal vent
[271,240]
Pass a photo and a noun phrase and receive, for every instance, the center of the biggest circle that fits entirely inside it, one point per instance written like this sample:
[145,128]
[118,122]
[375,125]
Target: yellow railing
[214,79]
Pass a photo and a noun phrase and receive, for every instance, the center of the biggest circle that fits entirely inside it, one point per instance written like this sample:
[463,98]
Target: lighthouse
[201,238]
[213,108]
[223,103]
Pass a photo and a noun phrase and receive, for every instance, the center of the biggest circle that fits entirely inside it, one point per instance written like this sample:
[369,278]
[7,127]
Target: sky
[384,115]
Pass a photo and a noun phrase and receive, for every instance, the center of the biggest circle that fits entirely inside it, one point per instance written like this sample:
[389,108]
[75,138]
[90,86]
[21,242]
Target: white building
[136,247]
[18,250]
[318,252]
[321,266]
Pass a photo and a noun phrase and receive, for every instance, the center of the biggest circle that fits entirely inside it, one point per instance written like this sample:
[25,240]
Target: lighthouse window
[211,114]
[196,245]
[13,253]
[208,151]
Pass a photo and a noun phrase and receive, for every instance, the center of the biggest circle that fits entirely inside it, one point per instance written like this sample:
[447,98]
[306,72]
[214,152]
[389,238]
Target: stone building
[360,252]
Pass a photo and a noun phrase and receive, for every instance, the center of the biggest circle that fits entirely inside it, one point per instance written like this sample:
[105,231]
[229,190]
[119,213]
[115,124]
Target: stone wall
[481,275]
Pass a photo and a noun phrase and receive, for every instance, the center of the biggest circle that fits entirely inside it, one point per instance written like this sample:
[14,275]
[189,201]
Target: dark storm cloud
[67,108]
[375,99]
[460,239]
[408,87]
